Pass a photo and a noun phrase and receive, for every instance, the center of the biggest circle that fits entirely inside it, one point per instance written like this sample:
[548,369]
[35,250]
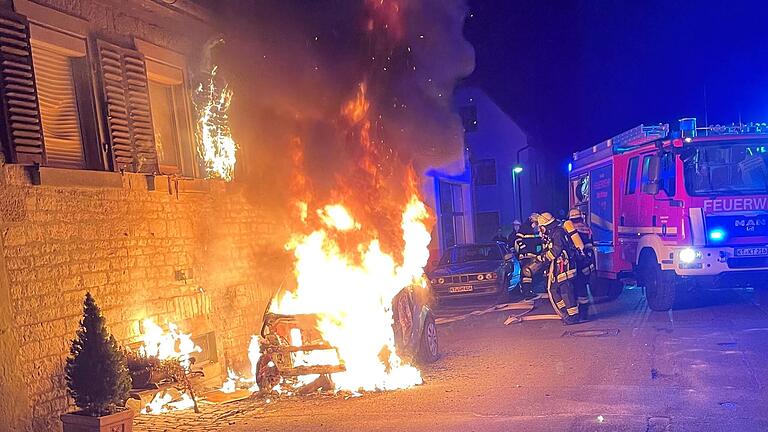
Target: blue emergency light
[717,234]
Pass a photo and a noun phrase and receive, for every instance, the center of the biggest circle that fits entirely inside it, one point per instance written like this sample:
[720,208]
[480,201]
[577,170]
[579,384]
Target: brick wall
[198,253]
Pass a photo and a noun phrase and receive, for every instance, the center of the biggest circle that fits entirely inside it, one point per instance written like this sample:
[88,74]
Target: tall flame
[352,296]
[215,144]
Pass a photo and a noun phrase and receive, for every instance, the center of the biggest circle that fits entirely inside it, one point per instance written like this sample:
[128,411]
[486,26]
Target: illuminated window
[166,129]
[171,109]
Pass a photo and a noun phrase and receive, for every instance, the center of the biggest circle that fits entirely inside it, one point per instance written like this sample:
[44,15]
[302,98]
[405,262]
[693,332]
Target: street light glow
[517,169]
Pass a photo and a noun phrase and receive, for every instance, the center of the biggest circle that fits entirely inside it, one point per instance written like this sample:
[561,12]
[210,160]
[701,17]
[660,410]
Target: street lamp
[517,170]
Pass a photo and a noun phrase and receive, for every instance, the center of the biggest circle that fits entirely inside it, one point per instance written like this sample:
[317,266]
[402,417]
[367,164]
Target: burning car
[292,348]
[475,270]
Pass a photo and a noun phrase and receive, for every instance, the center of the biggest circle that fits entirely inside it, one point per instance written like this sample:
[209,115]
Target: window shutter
[128,119]
[22,137]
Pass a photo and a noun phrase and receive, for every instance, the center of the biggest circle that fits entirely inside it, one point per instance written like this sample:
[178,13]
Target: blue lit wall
[496,137]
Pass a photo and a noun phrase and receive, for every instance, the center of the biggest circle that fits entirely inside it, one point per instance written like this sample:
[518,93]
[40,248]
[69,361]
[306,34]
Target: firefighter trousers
[532,270]
[581,291]
[562,293]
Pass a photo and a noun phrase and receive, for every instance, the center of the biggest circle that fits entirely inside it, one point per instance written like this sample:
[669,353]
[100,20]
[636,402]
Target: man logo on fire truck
[667,207]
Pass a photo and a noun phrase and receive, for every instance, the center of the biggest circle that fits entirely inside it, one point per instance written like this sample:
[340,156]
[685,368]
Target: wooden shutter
[58,108]
[22,135]
[128,117]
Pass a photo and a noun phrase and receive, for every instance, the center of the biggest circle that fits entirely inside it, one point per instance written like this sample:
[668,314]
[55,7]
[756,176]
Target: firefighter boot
[570,319]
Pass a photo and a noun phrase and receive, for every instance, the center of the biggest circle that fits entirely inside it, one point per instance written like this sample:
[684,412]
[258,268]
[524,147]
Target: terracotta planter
[121,421]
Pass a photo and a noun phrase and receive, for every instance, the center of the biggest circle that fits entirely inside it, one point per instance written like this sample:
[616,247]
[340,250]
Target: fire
[215,144]
[167,345]
[352,296]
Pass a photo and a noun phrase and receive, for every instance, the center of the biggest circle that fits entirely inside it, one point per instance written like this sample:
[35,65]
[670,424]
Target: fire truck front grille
[744,263]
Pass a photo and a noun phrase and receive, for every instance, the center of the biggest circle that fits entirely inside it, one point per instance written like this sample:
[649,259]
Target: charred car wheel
[267,375]
[429,349]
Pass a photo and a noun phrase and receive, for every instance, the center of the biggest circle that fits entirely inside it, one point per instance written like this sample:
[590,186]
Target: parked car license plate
[460,289]
[751,251]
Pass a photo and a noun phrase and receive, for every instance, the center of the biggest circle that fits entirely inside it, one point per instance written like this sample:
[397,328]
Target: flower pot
[121,421]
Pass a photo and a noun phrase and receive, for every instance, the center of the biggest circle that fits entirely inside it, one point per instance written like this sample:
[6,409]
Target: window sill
[63,177]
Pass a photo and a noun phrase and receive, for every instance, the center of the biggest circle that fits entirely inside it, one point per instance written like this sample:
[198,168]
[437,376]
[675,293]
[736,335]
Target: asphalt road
[701,367]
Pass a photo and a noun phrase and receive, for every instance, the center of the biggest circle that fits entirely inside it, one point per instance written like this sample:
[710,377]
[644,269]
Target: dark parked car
[475,270]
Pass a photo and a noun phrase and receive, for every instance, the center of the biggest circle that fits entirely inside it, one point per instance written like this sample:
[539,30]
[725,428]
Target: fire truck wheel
[659,287]
[429,350]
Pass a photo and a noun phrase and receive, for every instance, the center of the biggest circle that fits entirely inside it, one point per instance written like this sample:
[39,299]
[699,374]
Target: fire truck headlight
[480,277]
[717,235]
[689,255]
[440,280]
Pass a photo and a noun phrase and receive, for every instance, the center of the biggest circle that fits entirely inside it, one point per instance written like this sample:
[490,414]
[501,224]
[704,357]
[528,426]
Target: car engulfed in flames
[293,351]
[357,314]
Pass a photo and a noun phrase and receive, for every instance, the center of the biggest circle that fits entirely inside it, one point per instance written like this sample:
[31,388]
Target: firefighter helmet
[575,213]
[545,219]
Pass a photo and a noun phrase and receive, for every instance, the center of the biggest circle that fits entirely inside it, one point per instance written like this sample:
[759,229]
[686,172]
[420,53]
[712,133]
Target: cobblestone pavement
[212,417]
[696,368]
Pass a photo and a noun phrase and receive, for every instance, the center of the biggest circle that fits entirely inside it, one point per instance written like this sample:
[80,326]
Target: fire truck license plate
[751,251]
[460,289]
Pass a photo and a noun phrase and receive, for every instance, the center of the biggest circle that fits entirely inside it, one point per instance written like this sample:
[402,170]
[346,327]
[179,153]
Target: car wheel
[429,349]
[267,375]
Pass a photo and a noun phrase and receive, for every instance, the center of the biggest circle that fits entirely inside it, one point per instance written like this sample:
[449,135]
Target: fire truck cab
[667,207]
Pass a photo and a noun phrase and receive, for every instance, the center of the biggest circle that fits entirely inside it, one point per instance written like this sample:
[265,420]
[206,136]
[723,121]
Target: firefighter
[516,225]
[581,237]
[527,246]
[559,253]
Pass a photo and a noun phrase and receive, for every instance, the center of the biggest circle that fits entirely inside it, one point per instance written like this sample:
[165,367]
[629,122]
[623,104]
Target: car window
[469,253]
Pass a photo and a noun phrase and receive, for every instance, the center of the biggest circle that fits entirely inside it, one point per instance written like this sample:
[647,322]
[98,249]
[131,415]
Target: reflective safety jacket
[581,236]
[560,252]
[528,244]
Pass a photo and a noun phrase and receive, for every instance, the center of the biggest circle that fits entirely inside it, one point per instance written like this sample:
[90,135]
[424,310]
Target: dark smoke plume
[293,65]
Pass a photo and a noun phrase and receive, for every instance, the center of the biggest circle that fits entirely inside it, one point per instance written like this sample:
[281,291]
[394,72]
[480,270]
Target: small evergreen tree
[96,372]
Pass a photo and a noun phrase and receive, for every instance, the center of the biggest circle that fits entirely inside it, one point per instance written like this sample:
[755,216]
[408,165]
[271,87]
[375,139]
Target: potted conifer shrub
[97,377]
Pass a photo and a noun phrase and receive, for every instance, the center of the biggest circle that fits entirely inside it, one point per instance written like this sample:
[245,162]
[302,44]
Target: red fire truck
[676,208]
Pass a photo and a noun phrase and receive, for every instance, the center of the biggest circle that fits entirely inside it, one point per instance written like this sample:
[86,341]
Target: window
[472,253]
[164,121]
[632,175]
[469,117]
[644,178]
[170,105]
[58,107]
[485,172]
[581,190]
[452,214]
[64,88]
[668,171]
[171,121]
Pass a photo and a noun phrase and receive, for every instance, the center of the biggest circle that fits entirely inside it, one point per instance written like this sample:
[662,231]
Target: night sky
[577,72]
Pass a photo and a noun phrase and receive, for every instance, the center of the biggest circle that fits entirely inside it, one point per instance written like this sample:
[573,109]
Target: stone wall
[195,252]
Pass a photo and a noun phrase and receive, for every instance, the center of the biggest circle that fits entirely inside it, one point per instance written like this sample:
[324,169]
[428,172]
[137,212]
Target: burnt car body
[413,325]
[475,270]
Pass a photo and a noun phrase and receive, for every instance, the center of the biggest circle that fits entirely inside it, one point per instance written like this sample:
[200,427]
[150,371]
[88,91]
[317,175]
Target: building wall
[495,137]
[126,245]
